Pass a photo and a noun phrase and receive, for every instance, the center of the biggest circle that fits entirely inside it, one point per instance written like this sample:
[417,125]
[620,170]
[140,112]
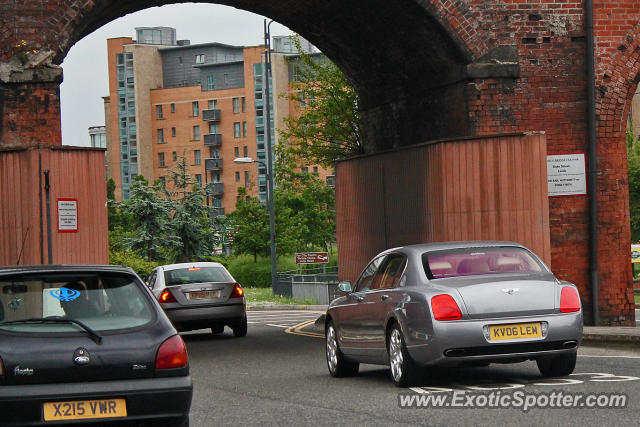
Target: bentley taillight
[444,307]
[569,300]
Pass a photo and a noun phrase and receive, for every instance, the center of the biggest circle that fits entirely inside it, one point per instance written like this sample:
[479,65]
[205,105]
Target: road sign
[312,257]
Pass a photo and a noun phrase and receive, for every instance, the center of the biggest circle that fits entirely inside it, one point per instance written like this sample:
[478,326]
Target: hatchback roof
[61,268]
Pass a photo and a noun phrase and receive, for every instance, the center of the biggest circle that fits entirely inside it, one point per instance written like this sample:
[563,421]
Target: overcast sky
[85,67]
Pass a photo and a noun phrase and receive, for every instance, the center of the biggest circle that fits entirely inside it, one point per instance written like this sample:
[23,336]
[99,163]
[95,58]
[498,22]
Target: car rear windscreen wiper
[97,338]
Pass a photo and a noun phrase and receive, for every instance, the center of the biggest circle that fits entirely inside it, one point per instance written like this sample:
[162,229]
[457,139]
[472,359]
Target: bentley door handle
[384,297]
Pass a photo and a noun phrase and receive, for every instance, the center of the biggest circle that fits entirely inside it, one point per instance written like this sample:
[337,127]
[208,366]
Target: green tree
[305,206]
[328,127]
[149,219]
[251,223]
[189,215]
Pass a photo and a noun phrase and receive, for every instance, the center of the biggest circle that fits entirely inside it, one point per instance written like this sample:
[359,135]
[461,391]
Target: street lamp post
[270,176]
[272,216]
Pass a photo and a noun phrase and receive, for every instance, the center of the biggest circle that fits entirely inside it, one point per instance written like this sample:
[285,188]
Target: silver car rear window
[183,276]
[101,301]
[479,261]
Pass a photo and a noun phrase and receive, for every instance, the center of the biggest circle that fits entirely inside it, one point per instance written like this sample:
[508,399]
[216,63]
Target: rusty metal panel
[75,173]
[489,188]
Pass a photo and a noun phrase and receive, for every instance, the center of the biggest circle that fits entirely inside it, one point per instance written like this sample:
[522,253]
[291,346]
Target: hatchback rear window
[479,261]
[101,301]
[183,276]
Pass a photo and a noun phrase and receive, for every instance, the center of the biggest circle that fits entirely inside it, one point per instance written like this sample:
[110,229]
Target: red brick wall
[30,114]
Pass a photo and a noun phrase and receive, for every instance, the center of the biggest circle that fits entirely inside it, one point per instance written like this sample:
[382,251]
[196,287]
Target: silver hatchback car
[200,295]
[452,304]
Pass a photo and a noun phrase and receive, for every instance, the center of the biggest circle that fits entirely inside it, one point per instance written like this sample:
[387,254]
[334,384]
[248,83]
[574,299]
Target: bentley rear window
[48,303]
[479,261]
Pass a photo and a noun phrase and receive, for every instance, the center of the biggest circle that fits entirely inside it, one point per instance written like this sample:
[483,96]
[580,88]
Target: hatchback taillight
[237,291]
[172,354]
[444,307]
[569,300]
[166,296]
[1,368]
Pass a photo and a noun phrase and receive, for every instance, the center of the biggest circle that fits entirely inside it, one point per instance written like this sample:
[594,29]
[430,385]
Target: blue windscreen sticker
[65,294]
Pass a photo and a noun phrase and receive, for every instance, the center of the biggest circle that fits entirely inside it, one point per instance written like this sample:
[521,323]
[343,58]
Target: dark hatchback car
[88,344]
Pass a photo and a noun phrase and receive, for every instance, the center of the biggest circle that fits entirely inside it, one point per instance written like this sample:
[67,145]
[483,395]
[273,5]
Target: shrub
[136,262]
[249,273]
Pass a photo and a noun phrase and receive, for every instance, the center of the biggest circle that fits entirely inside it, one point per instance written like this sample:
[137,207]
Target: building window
[244,104]
[315,169]
[213,128]
[199,179]
[244,129]
[245,151]
[237,176]
[196,108]
[175,156]
[173,131]
[200,59]
[302,100]
[196,133]
[159,112]
[236,105]
[211,83]
[305,170]
[161,160]
[246,178]
[236,151]
[173,108]
[196,157]
[236,130]
[212,104]
[214,153]
[160,136]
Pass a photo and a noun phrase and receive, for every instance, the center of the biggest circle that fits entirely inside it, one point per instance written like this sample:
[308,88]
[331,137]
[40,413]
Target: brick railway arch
[425,69]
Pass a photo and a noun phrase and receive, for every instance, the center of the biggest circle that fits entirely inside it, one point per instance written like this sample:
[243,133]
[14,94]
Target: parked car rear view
[88,343]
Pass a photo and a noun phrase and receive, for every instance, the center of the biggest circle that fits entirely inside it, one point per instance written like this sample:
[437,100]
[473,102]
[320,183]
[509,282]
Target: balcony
[215,189]
[213,164]
[212,115]
[213,139]
[216,212]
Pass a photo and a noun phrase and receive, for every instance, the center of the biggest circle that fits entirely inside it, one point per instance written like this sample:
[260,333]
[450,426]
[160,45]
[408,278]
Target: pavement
[600,336]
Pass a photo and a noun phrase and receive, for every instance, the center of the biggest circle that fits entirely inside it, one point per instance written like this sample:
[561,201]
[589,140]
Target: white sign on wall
[67,215]
[566,174]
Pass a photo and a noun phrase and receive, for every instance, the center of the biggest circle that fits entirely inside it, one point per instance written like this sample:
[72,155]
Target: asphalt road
[274,377]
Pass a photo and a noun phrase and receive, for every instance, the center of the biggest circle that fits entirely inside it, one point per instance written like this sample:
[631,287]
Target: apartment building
[206,102]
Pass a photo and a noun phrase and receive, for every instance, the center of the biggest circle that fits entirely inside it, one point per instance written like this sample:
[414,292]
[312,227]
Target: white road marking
[278,326]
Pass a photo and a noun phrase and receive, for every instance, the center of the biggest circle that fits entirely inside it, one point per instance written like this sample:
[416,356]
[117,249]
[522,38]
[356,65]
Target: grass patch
[259,296]
[637,296]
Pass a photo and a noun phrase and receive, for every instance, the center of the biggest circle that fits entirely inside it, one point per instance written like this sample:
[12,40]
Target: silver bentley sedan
[453,304]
